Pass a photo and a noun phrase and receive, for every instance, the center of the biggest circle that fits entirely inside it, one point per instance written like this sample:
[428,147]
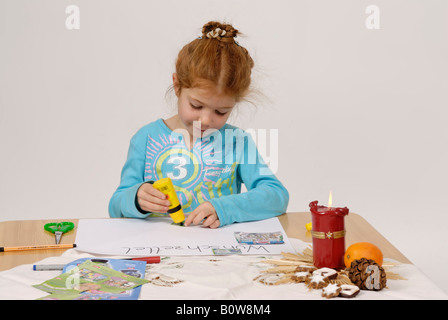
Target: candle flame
[330,200]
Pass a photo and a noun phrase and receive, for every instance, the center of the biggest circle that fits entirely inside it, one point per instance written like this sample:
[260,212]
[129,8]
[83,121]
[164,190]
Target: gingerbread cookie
[330,291]
[300,276]
[305,268]
[316,281]
[327,273]
[269,279]
[162,280]
[349,291]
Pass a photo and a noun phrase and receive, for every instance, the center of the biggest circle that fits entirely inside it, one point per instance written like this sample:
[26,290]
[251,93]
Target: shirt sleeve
[123,203]
[266,196]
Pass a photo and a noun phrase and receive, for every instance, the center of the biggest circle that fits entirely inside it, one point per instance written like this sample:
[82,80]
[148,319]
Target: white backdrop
[359,111]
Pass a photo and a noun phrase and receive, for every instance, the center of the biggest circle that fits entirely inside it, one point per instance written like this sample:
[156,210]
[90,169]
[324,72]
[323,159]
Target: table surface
[31,232]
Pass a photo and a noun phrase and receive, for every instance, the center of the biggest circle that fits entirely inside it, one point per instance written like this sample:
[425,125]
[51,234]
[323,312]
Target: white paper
[159,237]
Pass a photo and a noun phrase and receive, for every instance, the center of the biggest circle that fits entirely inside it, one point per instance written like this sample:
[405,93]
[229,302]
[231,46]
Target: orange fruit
[363,250]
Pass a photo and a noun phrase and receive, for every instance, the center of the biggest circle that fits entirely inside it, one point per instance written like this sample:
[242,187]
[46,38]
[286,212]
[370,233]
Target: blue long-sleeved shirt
[213,170]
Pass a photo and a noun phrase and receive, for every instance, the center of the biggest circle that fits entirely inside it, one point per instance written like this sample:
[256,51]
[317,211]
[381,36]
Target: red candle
[328,232]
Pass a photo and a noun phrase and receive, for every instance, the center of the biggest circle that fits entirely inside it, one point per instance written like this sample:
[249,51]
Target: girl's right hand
[152,200]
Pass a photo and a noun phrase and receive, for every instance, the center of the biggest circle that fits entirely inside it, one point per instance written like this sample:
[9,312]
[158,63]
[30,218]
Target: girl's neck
[174,123]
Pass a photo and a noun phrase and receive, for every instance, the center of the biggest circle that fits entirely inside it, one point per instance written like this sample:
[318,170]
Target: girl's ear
[176,84]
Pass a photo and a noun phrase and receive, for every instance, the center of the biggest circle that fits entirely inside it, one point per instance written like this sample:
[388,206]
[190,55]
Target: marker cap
[154,259]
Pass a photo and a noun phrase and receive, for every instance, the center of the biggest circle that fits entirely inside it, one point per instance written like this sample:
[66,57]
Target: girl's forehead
[211,96]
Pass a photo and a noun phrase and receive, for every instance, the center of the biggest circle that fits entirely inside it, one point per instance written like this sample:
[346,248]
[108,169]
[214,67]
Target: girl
[206,158]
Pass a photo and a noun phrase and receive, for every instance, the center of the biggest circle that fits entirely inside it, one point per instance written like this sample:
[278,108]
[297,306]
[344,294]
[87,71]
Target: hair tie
[216,33]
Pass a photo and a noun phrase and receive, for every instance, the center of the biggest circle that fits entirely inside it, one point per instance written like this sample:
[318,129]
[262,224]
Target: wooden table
[31,232]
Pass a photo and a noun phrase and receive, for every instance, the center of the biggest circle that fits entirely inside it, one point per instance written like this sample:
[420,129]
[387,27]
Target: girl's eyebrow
[196,100]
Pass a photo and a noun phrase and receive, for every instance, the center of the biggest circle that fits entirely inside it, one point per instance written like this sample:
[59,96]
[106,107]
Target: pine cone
[367,274]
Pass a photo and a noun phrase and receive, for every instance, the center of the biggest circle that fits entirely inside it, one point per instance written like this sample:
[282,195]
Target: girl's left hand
[204,211]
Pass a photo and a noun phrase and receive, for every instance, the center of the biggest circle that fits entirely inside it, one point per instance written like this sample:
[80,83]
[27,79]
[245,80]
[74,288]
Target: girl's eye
[220,113]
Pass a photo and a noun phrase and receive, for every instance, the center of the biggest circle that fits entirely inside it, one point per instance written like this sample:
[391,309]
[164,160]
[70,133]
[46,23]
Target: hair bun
[216,30]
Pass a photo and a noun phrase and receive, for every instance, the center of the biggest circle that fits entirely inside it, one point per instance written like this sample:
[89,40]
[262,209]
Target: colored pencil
[38,247]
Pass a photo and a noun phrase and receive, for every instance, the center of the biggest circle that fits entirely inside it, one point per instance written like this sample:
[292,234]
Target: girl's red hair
[215,59]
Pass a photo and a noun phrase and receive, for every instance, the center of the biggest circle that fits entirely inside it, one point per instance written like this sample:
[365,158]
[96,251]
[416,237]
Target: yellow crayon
[175,211]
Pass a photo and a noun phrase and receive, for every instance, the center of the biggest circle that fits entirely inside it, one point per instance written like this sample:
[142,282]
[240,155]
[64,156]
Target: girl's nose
[205,118]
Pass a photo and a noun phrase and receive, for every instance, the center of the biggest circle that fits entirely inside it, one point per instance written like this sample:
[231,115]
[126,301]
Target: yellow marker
[309,226]
[175,211]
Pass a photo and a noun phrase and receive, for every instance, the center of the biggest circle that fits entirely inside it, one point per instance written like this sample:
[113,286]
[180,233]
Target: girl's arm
[266,196]
[123,201]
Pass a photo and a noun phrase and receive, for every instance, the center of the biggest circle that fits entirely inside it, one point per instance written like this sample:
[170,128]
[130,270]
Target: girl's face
[201,109]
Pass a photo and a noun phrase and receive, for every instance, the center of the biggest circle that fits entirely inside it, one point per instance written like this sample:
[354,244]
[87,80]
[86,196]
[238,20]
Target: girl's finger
[165,203]
[199,217]
[209,221]
[215,224]
[189,219]
[150,190]
[152,207]
[150,197]
[156,193]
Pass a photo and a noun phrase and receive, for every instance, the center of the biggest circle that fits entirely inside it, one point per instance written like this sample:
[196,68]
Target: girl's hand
[204,211]
[152,200]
